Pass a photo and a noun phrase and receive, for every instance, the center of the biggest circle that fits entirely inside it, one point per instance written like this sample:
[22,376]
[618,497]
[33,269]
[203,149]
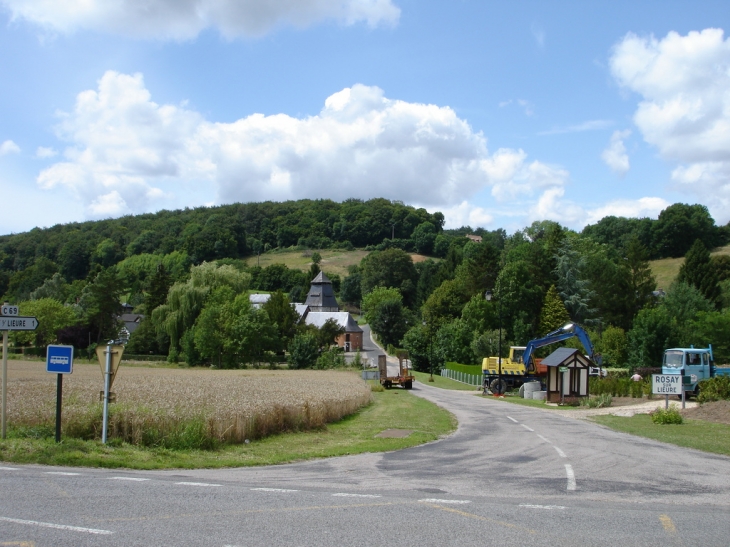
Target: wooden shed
[567,375]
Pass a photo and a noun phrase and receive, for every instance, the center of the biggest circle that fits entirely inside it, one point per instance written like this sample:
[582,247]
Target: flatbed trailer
[404,378]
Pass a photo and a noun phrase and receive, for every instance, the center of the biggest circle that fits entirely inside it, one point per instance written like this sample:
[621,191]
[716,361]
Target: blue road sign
[60,359]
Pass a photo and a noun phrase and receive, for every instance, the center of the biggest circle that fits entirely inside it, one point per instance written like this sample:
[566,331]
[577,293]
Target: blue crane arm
[563,333]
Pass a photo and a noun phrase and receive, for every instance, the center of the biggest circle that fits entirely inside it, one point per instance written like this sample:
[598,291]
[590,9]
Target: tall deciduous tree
[389,268]
[283,315]
[100,303]
[52,316]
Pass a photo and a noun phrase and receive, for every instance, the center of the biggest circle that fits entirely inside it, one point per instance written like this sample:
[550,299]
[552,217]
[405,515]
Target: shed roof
[561,355]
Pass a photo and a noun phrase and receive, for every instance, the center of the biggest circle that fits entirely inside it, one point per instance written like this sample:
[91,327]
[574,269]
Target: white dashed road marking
[197,484]
[57,526]
[527,428]
[571,476]
[61,473]
[273,490]
[511,418]
[135,479]
[560,452]
[529,506]
[343,495]
[434,500]
[8,468]
[544,439]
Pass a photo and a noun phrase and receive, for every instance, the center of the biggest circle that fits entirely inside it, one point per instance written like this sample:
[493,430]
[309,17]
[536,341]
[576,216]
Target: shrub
[714,389]
[600,401]
[670,415]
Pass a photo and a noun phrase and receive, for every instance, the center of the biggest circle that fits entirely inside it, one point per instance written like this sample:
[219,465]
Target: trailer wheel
[408,385]
[387,384]
[498,386]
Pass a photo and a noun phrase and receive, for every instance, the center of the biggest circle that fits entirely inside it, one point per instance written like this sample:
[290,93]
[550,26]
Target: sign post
[109,358]
[667,384]
[9,320]
[59,359]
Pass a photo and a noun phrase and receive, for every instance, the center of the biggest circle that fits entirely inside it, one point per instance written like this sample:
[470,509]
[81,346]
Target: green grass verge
[517,400]
[443,383]
[391,409]
[701,435]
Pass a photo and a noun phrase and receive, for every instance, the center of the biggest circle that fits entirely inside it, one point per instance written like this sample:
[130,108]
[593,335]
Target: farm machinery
[521,366]
[404,377]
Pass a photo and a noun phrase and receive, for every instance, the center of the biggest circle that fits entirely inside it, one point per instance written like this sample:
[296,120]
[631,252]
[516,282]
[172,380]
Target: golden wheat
[155,405]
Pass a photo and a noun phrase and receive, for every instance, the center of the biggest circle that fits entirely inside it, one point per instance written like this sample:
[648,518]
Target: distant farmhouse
[320,306]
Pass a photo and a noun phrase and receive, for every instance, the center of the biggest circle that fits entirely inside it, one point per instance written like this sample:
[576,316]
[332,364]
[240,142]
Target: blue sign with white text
[60,359]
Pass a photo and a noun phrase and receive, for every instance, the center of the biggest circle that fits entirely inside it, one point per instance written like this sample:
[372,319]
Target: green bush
[714,389]
[600,401]
[670,415]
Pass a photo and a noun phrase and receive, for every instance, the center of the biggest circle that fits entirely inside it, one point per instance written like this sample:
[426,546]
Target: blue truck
[694,364]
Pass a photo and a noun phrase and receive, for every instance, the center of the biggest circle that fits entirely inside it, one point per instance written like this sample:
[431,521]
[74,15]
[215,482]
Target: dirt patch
[718,412]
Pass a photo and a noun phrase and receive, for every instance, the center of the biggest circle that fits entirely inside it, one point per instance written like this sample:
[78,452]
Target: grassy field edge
[355,434]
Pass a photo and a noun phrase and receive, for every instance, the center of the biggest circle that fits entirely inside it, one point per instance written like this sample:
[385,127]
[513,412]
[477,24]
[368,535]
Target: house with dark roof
[351,340]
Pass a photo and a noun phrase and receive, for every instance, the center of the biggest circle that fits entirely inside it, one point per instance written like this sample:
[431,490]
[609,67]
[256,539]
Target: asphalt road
[509,475]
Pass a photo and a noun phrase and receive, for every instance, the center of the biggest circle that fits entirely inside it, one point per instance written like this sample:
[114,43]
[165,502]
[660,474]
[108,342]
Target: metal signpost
[10,320]
[109,357]
[59,360]
[667,384]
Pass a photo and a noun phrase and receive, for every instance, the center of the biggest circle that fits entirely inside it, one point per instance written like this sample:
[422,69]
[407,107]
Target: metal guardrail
[463,377]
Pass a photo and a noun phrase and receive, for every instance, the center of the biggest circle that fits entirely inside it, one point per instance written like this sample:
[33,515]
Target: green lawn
[705,436]
[391,409]
[443,383]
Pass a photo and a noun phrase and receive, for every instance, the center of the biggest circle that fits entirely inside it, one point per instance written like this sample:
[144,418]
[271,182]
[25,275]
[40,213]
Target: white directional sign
[666,384]
[18,323]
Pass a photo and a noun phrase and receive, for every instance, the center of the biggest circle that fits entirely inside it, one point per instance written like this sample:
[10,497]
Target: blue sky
[497,114]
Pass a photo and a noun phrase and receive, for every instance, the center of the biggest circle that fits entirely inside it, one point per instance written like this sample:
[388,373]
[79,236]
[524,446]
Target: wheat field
[182,408]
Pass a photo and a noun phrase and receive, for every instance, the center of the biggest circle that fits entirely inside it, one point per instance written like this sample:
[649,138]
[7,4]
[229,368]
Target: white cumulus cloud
[9,147]
[127,153]
[466,214]
[185,19]
[684,82]
[45,152]
[615,155]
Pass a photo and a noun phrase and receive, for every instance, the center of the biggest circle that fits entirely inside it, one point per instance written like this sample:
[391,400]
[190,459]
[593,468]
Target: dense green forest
[184,271]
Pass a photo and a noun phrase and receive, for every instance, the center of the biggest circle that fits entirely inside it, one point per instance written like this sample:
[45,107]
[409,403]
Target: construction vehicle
[404,377]
[694,364]
[521,366]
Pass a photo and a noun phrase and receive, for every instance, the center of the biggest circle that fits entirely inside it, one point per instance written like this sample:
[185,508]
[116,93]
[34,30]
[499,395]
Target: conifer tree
[553,314]
[699,272]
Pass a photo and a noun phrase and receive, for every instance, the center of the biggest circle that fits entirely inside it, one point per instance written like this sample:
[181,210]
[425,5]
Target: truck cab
[695,364]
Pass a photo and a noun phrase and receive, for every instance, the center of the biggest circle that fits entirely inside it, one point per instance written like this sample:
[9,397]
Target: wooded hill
[184,271]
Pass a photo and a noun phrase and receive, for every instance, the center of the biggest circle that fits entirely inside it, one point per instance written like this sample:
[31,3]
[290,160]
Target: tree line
[184,271]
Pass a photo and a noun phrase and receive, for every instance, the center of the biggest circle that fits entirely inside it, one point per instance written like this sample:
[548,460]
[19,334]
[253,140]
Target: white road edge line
[57,526]
[344,495]
[530,506]
[527,428]
[273,490]
[560,452]
[61,473]
[544,439]
[434,500]
[197,484]
[511,418]
[135,479]
[571,476]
